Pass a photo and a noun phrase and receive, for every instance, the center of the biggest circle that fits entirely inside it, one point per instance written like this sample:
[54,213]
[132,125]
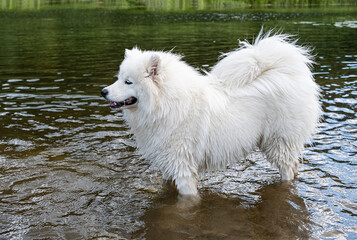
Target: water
[68,167]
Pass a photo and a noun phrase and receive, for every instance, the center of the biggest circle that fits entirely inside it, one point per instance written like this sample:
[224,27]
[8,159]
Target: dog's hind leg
[284,155]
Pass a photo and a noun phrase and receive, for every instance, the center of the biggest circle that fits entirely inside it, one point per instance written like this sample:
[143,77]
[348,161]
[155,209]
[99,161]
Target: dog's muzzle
[113,104]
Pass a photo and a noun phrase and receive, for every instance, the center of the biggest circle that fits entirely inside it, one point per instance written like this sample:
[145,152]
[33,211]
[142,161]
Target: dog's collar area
[126,102]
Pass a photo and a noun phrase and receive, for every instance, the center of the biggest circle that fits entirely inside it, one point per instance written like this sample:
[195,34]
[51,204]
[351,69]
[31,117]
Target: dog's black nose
[104,92]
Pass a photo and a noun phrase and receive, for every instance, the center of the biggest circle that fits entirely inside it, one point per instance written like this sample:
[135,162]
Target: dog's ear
[129,53]
[154,66]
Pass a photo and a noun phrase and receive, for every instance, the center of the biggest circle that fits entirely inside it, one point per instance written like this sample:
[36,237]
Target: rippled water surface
[68,167]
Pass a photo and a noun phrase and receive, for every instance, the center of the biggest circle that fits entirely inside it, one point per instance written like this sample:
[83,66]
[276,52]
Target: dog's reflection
[278,214]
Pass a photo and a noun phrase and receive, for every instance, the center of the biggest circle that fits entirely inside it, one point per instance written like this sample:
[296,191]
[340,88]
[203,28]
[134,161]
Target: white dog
[260,95]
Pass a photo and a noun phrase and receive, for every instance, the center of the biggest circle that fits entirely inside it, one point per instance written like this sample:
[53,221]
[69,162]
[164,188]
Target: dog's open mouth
[127,102]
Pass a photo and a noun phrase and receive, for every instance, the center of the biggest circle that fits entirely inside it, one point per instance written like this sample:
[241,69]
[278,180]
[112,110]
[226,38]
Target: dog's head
[139,73]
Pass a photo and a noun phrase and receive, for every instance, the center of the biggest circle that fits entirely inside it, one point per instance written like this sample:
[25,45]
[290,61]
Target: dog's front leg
[188,193]
[187,185]
[182,168]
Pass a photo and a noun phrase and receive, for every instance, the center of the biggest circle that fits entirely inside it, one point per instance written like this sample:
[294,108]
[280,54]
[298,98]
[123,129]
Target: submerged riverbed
[68,167]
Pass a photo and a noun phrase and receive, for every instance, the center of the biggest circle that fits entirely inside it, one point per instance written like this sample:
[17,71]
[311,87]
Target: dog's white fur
[260,95]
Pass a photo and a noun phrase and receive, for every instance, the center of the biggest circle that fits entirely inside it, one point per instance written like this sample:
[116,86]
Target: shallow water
[68,168]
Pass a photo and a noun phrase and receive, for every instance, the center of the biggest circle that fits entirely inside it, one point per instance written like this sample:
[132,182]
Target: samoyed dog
[261,95]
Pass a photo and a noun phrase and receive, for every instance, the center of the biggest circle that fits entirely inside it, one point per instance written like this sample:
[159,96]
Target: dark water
[68,168]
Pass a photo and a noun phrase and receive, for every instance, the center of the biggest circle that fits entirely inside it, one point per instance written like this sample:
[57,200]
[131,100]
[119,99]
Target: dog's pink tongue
[112,104]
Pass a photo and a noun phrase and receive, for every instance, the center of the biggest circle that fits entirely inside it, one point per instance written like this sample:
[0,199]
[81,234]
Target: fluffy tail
[268,52]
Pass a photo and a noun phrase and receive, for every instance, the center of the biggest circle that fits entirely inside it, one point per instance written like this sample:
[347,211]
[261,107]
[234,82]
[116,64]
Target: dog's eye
[128,82]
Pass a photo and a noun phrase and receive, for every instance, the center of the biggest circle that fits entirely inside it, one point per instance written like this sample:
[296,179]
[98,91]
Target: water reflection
[279,214]
[155,5]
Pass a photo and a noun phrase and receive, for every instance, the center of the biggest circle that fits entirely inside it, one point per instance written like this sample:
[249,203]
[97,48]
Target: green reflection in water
[163,5]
